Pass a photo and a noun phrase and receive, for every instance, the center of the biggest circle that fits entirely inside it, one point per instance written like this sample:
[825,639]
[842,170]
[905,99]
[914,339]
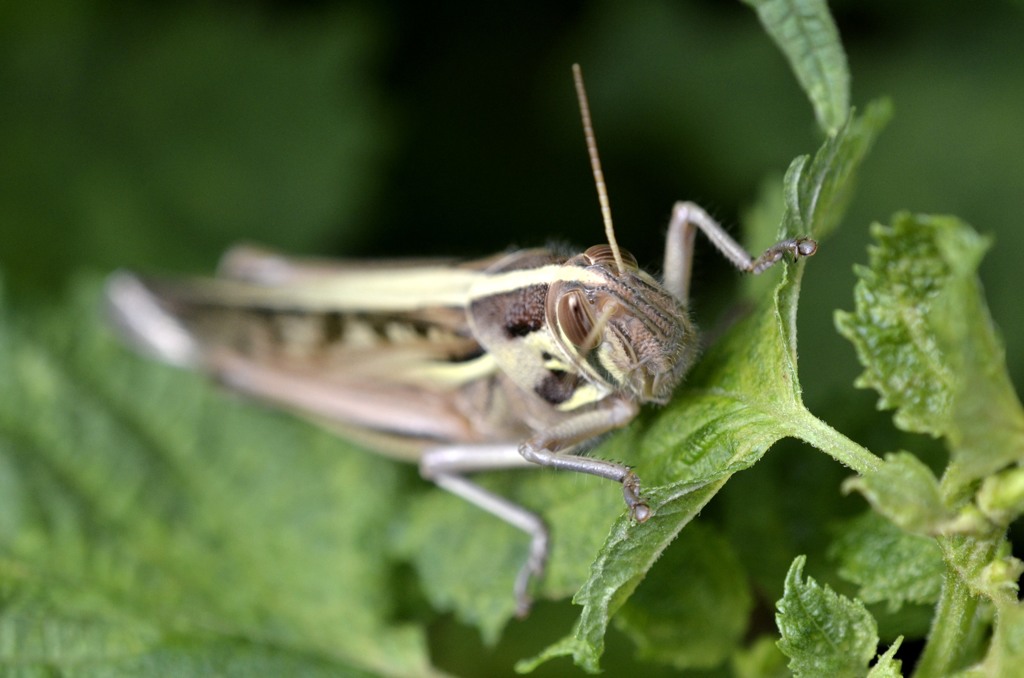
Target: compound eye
[602,254]
[576,320]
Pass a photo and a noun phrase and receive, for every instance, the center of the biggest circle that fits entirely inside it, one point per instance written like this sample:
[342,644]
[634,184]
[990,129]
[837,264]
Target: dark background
[152,136]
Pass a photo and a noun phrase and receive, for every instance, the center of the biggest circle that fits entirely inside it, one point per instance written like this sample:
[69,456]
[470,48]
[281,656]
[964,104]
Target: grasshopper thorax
[625,331]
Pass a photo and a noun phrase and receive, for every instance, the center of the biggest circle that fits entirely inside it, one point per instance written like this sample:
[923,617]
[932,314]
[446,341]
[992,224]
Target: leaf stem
[815,432]
[953,639]
[954,616]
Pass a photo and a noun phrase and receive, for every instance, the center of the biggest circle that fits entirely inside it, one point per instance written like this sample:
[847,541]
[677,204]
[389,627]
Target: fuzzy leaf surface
[905,491]
[928,345]
[887,665]
[889,564]
[152,524]
[806,34]
[693,608]
[823,633]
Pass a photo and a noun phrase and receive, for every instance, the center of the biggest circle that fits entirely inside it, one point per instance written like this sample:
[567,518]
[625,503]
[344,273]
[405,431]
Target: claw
[638,508]
[805,247]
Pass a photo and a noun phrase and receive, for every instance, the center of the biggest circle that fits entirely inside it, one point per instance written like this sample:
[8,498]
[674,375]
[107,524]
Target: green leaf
[742,398]
[887,665]
[890,330]
[817,190]
[987,431]
[470,571]
[47,634]
[805,32]
[887,563]
[823,633]
[923,333]
[1001,497]
[924,336]
[628,553]
[150,522]
[692,609]
[906,492]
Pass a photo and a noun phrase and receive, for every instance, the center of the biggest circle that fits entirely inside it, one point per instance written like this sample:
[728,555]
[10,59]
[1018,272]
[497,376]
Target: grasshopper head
[626,331]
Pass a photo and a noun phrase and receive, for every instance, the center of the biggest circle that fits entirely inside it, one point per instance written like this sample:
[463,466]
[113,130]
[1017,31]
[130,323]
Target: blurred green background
[152,136]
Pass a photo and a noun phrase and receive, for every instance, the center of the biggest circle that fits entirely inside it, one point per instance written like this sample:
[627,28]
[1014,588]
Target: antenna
[595,165]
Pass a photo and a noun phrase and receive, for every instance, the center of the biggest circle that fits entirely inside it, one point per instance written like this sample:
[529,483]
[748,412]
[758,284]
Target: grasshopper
[516,361]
